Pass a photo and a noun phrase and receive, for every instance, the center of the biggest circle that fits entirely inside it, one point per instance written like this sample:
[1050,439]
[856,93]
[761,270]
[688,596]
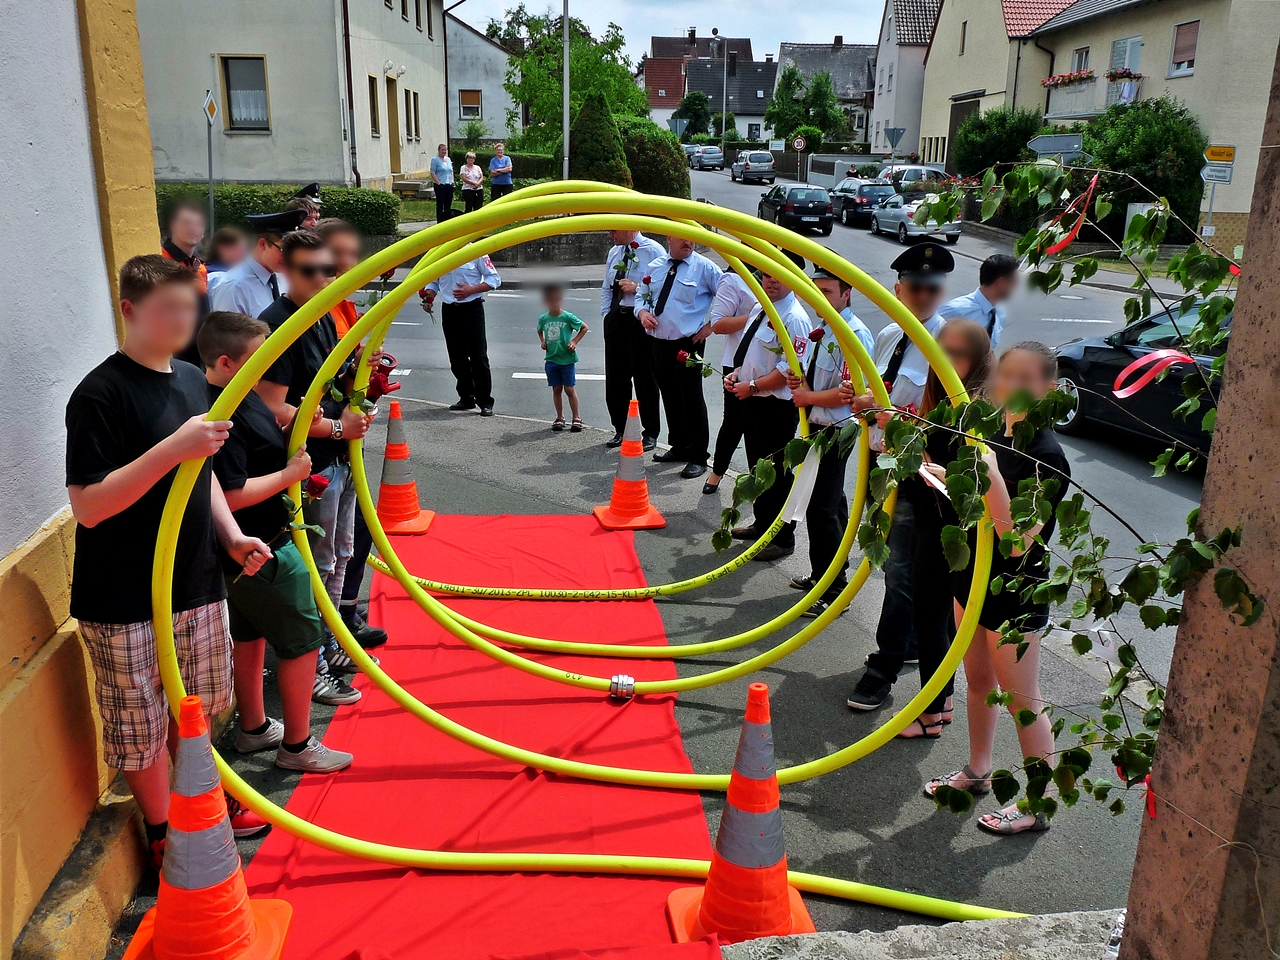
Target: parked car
[798,206]
[1088,367]
[706,158]
[854,199]
[911,172]
[689,148]
[752,165]
[893,215]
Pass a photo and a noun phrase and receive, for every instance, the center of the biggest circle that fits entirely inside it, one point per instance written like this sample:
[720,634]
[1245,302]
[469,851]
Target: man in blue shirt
[461,292]
[253,285]
[499,173]
[675,297]
[997,281]
[442,177]
[627,354]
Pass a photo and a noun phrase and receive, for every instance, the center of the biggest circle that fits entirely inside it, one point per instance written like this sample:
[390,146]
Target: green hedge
[534,166]
[372,212]
[657,162]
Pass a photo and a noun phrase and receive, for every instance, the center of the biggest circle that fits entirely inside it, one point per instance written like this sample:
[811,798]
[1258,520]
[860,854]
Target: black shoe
[486,411]
[709,488]
[367,636]
[912,656]
[802,583]
[667,456]
[870,693]
[748,532]
[614,442]
[692,470]
[648,443]
[819,608]
[463,405]
[773,552]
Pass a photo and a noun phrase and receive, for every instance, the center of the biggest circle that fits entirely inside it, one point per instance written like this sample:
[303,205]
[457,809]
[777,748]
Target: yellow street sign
[1220,153]
[210,107]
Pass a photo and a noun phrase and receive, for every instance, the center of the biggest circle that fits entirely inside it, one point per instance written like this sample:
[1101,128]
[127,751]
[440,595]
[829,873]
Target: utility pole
[723,47]
[564,119]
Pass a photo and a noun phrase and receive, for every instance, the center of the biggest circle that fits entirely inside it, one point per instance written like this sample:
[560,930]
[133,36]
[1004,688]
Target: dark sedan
[799,206]
[1088,367]
[856,206]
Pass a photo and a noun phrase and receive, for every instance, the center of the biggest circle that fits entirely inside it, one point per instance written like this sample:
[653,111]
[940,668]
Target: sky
[766,22]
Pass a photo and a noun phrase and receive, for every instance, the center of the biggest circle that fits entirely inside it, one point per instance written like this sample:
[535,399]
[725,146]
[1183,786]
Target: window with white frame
[889,83]
[880,85]
[1126,54]
[417,13]
[375,120]
[245,83]
[964,35]
[470,105]
[759,94]
[753,131]
[1079,59]
[1185,38]
[417,118]
[408,114]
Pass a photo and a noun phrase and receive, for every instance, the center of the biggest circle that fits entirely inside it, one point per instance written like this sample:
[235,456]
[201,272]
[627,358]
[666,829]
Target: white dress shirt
[480,270]
[685,312]
[827,366]
[907,388]
[765,353]
[638,263]
[246,288]
[975,306]
[733,299]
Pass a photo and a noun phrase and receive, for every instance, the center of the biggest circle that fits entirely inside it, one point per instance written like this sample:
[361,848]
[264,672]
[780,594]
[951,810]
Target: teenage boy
[997,282]
[308,267]
[253,284]
[818,391]
[560,333]
[254,468]
[132,420]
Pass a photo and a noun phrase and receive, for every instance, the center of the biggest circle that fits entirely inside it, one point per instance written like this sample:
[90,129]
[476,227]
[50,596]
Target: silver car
[706,158]
[911,172]
[894,215]
[753,165]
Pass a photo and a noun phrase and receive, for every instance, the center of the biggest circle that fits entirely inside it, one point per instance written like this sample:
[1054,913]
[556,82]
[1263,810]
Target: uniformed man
[922,271]
[819,392]
[675,297]
[186,229]
[769,417]
[307,200]
[254,284]
[997,282]
[628,358]
[461,293]
[730,312]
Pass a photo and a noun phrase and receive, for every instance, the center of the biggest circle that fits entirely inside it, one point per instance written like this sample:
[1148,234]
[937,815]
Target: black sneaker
[819,608]
[366,635]
[463,405]
[802,583]
[870,693]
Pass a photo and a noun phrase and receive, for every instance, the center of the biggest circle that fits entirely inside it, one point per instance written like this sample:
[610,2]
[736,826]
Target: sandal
[948,711]
[1006,818]
[978,786]
[557,424]
[577,425]
[928,731]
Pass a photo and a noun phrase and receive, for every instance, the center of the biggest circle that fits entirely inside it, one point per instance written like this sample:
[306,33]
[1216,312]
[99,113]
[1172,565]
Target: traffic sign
[210,107]
[1216,172]
[893,135]
[1220,153]
[677,125]
[777,145]
[1064,146]
[798,144]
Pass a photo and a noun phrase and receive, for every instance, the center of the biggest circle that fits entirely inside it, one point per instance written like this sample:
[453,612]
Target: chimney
[733,63]
[839,41]
[768,58]
[693,36]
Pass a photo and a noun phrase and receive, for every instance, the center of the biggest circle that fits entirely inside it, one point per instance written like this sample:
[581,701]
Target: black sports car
[1088,367]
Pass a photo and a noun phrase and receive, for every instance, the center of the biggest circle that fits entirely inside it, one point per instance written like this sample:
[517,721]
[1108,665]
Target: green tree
[821,107]
[731,124]
[696,108]
[785,110]
[657,161]
[473,133]
[998,135]
[595,146]
[534,73]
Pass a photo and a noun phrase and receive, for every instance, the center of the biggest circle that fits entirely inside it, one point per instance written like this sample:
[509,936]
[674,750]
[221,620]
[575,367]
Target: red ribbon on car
[1157,361]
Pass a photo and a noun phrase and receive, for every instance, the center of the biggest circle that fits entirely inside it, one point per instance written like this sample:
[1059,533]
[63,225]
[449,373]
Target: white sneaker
[253,742]
[316,758]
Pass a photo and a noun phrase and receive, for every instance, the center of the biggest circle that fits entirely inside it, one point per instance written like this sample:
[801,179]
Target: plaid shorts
[135,721]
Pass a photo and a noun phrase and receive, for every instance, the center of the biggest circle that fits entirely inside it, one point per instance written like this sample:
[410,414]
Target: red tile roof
[662,74]
[1023,16]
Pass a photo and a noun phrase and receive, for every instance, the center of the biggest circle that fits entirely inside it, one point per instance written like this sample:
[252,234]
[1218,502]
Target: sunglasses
[916,287]
[317,270]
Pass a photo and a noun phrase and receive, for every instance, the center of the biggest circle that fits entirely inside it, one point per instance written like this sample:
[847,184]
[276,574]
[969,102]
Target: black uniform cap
[276,223]
[927,262]
[310,192]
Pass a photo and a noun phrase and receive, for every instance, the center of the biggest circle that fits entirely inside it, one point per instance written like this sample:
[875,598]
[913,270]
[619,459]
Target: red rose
[316,485]
[682,356]
[635,244]
[817,334]
[647,280]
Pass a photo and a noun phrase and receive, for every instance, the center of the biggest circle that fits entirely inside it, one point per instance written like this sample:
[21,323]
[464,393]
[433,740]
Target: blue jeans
[335,514]
[895,634]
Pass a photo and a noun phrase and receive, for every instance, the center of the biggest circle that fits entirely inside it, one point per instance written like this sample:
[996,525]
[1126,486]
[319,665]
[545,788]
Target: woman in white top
[472,175]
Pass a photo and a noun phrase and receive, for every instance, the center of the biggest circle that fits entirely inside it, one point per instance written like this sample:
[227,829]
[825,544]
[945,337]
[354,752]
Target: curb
[580,283]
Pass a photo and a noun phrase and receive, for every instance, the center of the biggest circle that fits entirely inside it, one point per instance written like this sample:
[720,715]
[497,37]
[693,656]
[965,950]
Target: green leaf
[1101,208]
[959,801]
[1236,596]
[1081,643]
[795,451]
[1152,616]
[1004,786]
[955,546]
[1027,717]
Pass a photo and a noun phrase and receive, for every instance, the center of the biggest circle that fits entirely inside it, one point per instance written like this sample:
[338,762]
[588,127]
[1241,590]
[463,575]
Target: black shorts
[1007,606]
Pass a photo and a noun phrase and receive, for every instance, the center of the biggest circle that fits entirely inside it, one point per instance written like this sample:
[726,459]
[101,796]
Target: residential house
[693,46]
[746,84]
[477,68]
[905,28]
[662,79]
[852,70]
[1213,55]
[343,92]
[662,72]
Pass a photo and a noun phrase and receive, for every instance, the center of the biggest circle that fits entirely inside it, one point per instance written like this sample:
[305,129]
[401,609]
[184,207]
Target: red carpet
[414,787]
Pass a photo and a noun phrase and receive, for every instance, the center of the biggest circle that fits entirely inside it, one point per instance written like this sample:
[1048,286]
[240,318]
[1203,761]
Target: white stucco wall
[899,107]
[477,64]
[58,322]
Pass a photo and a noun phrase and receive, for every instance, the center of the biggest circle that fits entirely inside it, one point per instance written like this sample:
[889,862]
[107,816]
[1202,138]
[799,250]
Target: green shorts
[277,603]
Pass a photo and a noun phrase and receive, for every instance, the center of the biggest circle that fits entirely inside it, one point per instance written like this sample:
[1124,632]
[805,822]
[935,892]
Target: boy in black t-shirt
[132,420]
[277,606]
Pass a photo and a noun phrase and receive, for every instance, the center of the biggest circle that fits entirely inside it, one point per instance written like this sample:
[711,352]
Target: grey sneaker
[333,690]
[253,742]
[338,660]
[316,758]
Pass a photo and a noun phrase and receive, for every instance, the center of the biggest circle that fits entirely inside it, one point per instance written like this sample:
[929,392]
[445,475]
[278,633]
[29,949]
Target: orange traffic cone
[203,911]
[747,894]
[398,493]
[629,507]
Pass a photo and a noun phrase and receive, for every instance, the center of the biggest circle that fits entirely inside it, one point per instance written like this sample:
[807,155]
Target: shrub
[703,139]
[812,138]
[868,170]
[657,161]
[999,135]
[372,212]
[595,147]
[474,133]
[534,165]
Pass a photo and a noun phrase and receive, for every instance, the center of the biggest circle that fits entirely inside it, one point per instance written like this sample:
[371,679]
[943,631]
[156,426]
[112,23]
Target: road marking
[513,296]
[402,372]
[1072,320]
[542,376]
[1069,296]
[405,323]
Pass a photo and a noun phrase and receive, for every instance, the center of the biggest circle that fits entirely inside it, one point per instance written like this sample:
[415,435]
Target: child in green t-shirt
[560,333]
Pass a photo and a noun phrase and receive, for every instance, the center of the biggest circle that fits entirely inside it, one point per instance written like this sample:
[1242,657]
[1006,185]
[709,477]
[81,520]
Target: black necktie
[813,363]
[895,361]
[991,322]
[666,287]
[745,344]
[274,284]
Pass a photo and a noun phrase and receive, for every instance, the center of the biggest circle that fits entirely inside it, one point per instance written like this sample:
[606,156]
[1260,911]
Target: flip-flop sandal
[948,715]
[557,424]
[978,786]
[1005,823]
[577,425]
[924,731]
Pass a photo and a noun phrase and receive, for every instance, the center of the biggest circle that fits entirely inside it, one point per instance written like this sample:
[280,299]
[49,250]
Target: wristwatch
[336,432]
[754,389]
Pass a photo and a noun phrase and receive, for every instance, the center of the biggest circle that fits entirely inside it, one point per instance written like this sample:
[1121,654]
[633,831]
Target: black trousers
[933,609]
[681,388]
[828,516]
[628,359]
[464,338]
[497,190]
[444,201]
[770,423]
[354,575]
[730,434]
[472,199]
[895,633]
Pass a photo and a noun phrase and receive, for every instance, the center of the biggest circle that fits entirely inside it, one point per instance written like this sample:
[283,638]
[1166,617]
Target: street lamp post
[564,118]
[723,46]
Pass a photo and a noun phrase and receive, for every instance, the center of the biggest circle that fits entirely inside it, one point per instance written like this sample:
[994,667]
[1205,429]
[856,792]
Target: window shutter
[1184,42]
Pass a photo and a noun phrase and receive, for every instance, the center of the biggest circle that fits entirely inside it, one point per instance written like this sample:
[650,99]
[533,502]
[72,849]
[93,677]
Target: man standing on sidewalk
[627,354]
[997,282]
[461,293]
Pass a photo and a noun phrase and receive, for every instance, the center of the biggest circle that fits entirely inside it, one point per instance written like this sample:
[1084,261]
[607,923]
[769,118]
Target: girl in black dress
[988,666]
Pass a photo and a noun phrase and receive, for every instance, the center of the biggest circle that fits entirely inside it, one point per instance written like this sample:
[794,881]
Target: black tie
[747,337]
[275,287]
[813,363]
[895,361]
[991,322]
[666,287]
[615,297]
